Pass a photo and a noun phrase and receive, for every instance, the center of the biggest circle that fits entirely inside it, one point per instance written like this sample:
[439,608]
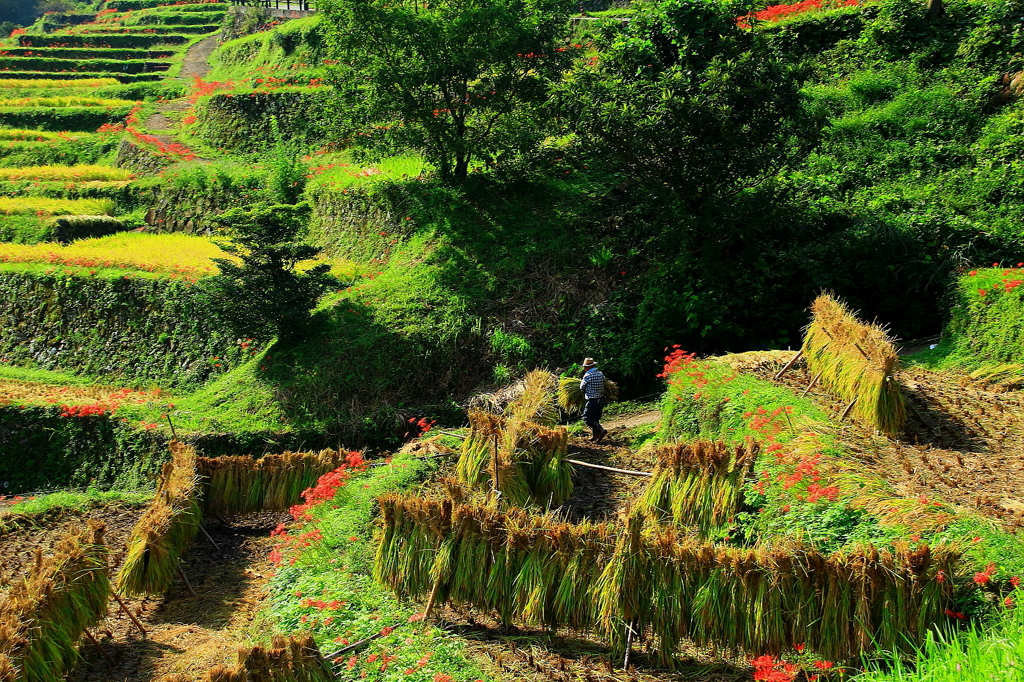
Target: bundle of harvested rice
[856,361]
[165,529]
[43,617]
[287,659]
[238,485]
[570,397]
[698,484]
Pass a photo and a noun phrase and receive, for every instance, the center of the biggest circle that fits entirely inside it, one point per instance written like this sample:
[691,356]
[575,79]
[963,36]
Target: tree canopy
[457,80]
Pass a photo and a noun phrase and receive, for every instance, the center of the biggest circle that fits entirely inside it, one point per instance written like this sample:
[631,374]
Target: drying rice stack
[238,485]
[669,585]
[287,659]
[165,529]
[43,617]
[698,484]
[857,362]
[521,447]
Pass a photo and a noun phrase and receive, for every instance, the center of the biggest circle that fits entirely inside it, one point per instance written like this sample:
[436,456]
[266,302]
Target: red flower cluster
[766,668]
[983,577]
[778,12]
[93,410]
[327,486]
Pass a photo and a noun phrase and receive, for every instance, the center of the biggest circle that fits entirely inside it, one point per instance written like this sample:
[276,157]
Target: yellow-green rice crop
[34,135]
[44,206]
[64,102]
[85,173]
[43,83]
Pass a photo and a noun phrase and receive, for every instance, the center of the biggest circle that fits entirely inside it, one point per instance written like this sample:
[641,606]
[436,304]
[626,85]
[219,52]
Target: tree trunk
[936,9]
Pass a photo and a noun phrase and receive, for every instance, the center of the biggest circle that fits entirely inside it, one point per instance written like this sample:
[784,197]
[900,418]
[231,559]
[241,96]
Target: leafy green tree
[457,80]
[683,98]
[264,294]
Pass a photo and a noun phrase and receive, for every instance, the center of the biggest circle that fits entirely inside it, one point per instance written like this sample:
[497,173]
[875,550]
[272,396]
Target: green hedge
[80,53]
[126,328]
[240,121]
[44,64]
[987,321]
[123,77]
[33,229]
[85,119]
[96,40]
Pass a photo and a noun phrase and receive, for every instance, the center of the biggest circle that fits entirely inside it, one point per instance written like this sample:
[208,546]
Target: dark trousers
[592,414]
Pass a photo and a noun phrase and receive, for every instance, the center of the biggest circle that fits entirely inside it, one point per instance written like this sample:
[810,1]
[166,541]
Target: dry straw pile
[287,659]
[43,617]
[857,362]
[667,585]
[698,484]
[519,453]
[239,485]
[166,528]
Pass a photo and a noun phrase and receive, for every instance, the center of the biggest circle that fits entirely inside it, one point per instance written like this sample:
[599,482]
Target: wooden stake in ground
[127,611]
[604,468]
[789,364]
[184,579]
[99,646]
[629,646]
[215,546]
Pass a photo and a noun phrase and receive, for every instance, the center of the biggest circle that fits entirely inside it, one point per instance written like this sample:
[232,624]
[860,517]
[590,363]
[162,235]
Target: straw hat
[589,362]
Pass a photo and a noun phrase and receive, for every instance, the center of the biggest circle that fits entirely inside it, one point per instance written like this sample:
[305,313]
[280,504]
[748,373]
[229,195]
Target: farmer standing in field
[592,386]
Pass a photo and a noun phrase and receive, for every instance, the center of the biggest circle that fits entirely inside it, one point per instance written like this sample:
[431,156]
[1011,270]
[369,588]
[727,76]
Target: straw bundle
[42,617]
[165,529]
[515,563]
[529,459]
[664,583]
[698,484]
[570,397]
[238,485]
[287,659]
[857,362]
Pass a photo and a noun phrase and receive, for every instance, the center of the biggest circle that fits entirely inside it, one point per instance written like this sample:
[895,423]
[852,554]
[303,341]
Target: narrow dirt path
[196,64]
[188,635]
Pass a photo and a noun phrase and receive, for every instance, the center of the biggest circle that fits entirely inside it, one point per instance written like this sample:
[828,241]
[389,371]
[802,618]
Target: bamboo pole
[215,545]
[128,613]
[604,468]
[814,380]
[99,646]
[789,364]
[184,578]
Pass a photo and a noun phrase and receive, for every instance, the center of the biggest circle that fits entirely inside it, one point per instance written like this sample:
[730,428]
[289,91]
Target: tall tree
[683,98]
[457,80]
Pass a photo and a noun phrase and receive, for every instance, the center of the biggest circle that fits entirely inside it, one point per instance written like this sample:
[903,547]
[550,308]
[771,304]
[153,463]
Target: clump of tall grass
[287,659]
[85,173]
[518,453]
[856,361]
[662,582]
[238,485]
[42,617]
[166,528]
[698,484]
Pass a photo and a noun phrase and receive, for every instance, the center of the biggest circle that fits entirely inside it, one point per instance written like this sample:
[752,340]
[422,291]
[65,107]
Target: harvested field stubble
[287,659]
[671,586]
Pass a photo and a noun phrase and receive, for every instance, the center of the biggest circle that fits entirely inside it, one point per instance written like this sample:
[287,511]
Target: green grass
[75,501]
[337,568]
[44,376]
[992,652]
[262,54]
[339,171]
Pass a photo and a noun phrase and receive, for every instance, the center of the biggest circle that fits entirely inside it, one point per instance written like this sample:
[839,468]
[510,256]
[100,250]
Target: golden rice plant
[43,616]
[49,206]
[857,362]
[662,582]
[165,529]
[238,485]
[287,659]
[570,397]
[80,173]
[698,484]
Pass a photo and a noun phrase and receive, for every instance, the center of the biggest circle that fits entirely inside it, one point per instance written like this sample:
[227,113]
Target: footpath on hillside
[196,64]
